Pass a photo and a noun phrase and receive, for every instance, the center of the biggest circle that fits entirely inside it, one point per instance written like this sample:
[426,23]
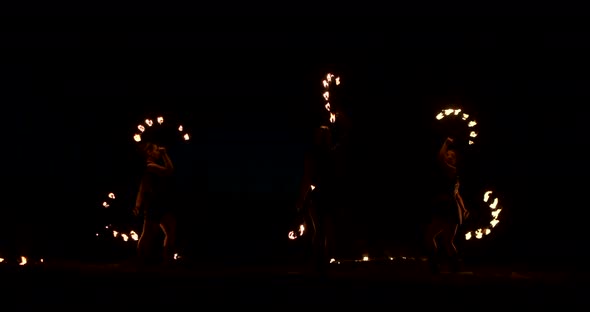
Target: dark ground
[358,284]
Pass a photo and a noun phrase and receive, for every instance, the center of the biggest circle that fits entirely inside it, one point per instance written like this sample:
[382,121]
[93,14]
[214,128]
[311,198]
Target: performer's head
[322,138]
[452,153]
[151,151]
[451,157]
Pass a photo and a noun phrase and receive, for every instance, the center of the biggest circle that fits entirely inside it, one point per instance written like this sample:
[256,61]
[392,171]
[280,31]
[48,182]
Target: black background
[73,97]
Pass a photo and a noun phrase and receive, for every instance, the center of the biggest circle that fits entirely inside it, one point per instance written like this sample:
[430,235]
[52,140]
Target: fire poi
[110,229]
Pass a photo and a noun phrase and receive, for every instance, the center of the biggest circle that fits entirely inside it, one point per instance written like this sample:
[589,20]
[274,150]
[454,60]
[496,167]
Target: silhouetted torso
[155,193]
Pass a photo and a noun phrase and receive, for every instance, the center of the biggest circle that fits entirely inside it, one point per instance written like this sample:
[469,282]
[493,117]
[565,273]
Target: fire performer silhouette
[153,200]
[448,209]
[323,183]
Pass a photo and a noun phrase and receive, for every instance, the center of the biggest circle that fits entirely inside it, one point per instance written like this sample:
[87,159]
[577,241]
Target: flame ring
[495,209]
[457,112]
[150,123]
[125,236]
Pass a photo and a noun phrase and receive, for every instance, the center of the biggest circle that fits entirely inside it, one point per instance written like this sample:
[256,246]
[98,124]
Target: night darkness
[72,100]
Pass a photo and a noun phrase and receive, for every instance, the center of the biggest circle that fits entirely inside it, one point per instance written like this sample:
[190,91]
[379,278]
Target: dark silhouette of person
[154,201]
[447,210]
[320,195]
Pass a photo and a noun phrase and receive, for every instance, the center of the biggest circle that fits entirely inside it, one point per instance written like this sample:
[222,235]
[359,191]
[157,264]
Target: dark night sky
[72,99]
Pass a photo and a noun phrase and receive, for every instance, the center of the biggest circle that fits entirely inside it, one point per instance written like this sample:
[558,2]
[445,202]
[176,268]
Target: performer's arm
[306,181]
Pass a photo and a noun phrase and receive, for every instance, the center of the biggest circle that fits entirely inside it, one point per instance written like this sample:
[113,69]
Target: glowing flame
[495,213]
[332,117]
[327,106]
[149,122]
[325,83]
[292,235]
[186,137]
[312,187]
[1,260]
[337,80]
[456,112]
[111,195]
[301,229]
[332,260]
[326,95]
[137,137]
[105,204]
[478,234]
[125,237]
[486,196]
[160,120]
[134,236]
[23,260]
[115,233]
[365,258]
[141,128]
[180,128]
[176,256]
[329,77]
